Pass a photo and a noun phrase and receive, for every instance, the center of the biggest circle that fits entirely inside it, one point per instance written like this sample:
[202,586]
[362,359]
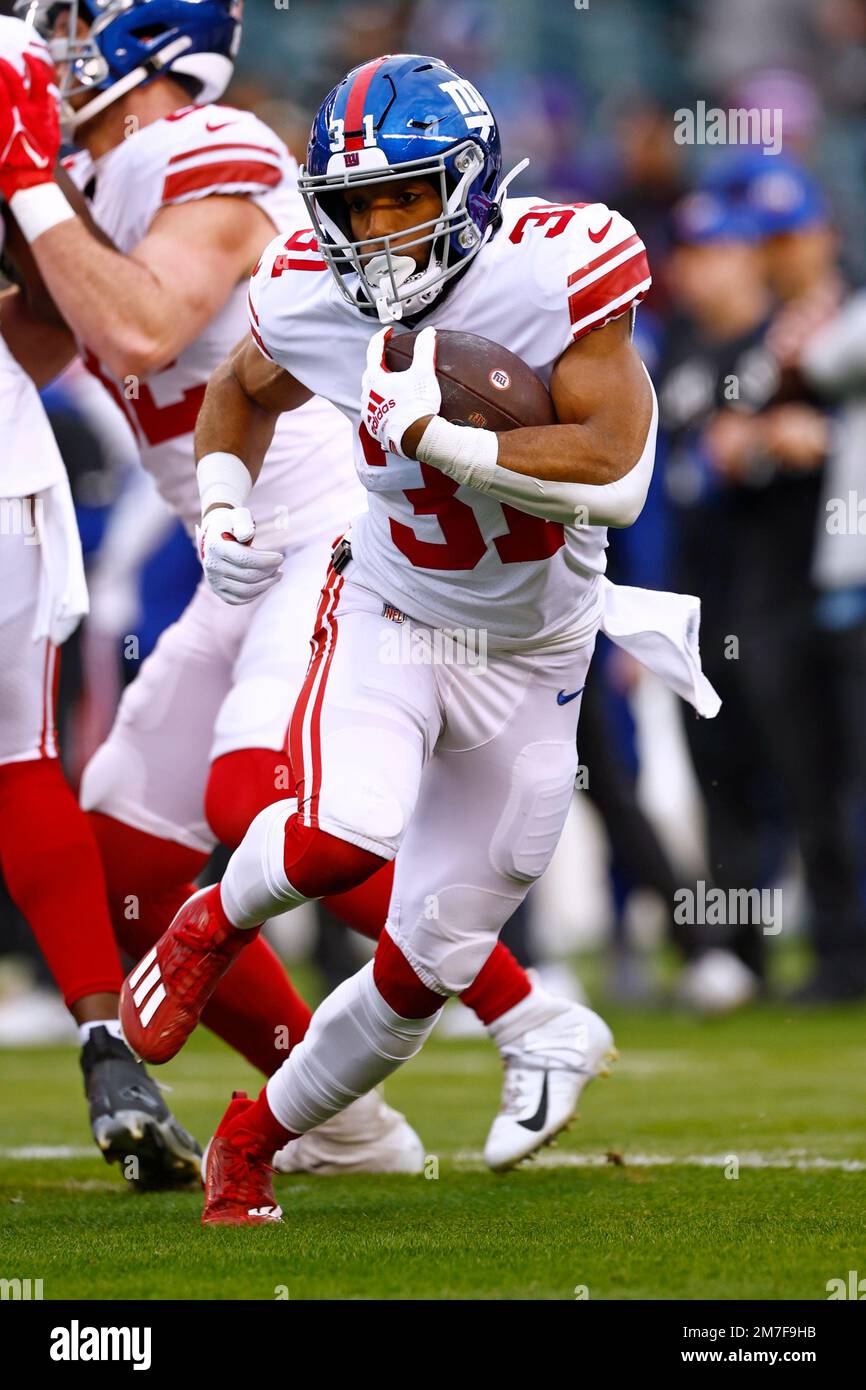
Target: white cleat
[546,1069]
[717,983]
[367,1137]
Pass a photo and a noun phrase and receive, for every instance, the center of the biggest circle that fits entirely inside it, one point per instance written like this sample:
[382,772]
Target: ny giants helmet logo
[468,100]
[471,105]
[500,379]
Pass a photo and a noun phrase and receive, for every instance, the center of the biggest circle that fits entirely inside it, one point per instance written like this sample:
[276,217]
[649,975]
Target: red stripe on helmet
[355,102]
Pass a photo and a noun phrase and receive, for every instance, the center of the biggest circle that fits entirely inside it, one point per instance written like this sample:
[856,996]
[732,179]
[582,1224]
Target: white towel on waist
[660,630]
[62,601]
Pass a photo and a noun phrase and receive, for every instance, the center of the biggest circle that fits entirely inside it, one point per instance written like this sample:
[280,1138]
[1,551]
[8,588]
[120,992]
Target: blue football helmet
[403,116]
[130,42]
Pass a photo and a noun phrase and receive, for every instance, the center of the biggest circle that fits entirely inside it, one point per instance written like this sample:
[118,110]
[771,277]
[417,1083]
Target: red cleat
[238,1187]
[163,998]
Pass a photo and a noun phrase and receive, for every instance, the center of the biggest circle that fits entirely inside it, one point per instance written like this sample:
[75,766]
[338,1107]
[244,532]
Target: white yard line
[803,1162]
[42,1152]
[471,1158]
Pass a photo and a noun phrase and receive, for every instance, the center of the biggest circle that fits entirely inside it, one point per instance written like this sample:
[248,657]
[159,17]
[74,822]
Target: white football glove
[392,401]
[233,569]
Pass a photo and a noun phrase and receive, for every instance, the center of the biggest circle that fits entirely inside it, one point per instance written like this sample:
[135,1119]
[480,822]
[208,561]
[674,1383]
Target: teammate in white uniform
[49,857]
[189,195]
[467,770]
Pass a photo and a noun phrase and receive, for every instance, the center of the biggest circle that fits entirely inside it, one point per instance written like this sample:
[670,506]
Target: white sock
[254,885]
[112,1025]
[536,1008]
[353,1042]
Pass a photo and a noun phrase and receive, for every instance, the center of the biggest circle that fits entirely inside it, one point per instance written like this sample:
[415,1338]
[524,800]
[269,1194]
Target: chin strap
[509,179]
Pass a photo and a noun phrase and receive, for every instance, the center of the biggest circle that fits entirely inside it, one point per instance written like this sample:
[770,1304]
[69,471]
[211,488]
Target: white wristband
[38,209]
[467,455]
[223,478]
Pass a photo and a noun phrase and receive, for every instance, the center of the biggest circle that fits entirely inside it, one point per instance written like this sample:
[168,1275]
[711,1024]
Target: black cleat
[131,1122]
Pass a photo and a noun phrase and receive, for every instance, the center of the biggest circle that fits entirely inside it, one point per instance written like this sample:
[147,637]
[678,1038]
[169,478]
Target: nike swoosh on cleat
[600,236]
[563,699]
[537,1121]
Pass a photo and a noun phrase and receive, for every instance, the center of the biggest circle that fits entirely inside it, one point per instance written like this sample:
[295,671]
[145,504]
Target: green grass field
[633,1203]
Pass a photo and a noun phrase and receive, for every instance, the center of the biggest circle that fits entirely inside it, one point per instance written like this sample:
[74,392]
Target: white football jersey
[196,152]
[29,457]
[443,553]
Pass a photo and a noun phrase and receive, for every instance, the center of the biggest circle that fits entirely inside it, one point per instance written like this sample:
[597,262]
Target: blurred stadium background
[751,336]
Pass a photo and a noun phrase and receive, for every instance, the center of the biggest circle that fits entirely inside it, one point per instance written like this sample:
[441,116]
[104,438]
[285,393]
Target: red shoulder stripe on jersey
[355,103]
[605,256]
[217,175]
[616,300]
[225,145]
[595,296]
[253,315]
[607,315]
[630,275]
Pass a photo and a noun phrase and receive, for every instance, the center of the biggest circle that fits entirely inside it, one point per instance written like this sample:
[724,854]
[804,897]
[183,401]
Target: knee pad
[528,831]
[448,948]
[240,785]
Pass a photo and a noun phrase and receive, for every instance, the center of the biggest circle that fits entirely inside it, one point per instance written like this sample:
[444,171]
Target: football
[483,384]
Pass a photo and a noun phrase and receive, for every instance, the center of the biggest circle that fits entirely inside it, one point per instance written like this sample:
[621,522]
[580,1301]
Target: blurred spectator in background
[765,445]
[714,352]
[648,180]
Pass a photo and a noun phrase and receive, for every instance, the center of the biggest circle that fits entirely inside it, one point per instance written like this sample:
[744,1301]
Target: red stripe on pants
[308,708]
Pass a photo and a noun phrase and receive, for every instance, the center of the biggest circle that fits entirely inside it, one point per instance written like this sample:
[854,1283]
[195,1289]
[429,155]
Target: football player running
[468,773]
[49,857]
[188,196]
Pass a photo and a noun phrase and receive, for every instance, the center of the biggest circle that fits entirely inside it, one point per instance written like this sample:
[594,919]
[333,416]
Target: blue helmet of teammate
[129,42]
[403,116]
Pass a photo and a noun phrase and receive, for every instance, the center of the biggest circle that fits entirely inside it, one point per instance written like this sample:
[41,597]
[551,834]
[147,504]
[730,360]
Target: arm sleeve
[469,457]
[581,504]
